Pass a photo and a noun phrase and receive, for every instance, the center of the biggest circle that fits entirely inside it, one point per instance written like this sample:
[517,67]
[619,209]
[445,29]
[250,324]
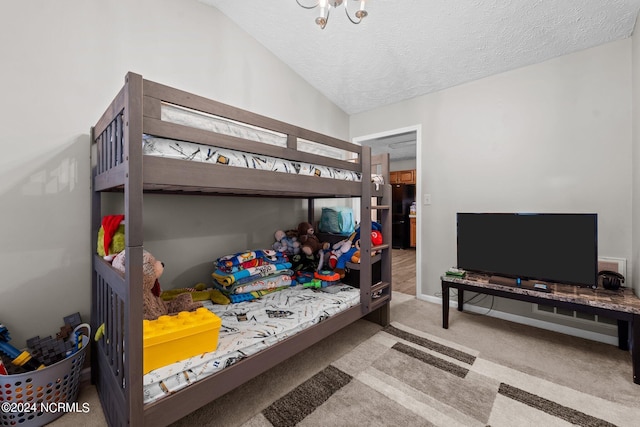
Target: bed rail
[157,94]
[109,354]
[114,144]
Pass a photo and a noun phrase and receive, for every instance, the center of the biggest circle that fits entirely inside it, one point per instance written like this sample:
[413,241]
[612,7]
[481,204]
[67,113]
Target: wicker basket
[41,396]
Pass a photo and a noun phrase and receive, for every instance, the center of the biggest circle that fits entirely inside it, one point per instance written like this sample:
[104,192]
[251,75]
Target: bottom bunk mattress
[249,327]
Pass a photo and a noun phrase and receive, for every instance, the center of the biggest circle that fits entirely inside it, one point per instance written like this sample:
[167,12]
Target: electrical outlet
[427,199]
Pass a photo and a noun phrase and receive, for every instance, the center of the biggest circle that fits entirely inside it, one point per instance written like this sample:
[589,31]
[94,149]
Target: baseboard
[568,330]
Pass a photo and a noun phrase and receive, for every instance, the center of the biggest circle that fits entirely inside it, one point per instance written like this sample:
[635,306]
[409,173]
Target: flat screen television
[552,247]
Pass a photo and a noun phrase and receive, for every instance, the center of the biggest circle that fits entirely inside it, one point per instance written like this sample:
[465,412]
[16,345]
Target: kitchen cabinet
[403,177]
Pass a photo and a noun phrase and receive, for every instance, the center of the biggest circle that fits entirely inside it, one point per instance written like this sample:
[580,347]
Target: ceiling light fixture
[327,5]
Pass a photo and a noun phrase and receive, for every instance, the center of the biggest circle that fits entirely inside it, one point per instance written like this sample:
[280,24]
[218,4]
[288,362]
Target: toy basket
[38,397]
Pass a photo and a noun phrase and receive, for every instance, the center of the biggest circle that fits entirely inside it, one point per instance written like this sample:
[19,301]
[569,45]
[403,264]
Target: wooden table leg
[445,306]
[460,299]
[623,334]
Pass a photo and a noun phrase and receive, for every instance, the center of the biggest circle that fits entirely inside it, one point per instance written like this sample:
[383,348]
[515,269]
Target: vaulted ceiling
[407,48]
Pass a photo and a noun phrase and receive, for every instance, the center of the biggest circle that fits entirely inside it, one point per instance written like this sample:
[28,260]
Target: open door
[404,152]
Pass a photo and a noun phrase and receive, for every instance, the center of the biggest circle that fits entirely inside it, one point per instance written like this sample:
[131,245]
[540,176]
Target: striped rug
[405,377]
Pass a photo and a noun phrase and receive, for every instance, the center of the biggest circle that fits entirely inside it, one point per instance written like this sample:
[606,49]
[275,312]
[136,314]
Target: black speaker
[610,279]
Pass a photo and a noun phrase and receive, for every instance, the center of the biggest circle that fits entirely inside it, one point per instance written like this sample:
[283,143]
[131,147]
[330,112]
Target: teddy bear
[286,242]
[309,242]
[153,305]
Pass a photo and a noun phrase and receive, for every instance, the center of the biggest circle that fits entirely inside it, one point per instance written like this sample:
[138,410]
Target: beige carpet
[481,371]
[403,376]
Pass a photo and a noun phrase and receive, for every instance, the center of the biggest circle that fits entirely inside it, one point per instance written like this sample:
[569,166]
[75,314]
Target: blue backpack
[337,220]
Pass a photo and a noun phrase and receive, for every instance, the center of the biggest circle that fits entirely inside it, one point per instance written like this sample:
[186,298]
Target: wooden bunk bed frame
[119,164]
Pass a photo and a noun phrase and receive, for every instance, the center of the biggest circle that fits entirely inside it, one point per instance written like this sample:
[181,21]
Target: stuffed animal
[376,234]
[355,255]
[340,255]
[309,242]
[337,251]
[376,238]
[286,242]
[111,236]
[153,305]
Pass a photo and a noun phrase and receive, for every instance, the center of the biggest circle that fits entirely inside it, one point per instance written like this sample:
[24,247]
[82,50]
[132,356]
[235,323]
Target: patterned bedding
[249,327]
[163,147]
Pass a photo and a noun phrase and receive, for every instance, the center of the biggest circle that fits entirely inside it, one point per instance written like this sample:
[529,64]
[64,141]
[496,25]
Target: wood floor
[403,270]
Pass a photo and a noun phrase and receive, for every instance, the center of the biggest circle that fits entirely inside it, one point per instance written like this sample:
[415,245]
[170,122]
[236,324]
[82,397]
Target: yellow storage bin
[169,339]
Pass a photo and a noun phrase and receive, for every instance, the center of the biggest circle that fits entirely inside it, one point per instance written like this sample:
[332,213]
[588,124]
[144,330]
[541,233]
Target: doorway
[404,153]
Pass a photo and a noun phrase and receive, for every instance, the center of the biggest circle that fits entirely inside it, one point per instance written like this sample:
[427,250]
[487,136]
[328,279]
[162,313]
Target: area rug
[405,377]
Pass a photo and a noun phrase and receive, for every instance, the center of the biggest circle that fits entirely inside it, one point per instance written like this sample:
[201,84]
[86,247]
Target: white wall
[552,137]
[399,165]
[62,63]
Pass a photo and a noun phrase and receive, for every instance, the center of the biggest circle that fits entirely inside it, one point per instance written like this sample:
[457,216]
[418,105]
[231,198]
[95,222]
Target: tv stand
[621,305]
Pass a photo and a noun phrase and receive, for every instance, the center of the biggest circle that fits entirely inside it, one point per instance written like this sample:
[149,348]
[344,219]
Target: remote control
[540,286]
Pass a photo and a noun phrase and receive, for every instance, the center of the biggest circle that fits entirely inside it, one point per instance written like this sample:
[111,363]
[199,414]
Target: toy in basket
[37,397]
[18,358]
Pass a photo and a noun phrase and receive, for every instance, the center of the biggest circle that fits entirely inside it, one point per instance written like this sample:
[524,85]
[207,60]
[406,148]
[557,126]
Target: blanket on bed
[228,279]
[248,259]
[248,266]
[278,280]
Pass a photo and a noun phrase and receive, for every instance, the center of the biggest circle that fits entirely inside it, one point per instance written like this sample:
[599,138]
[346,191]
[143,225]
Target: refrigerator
[401,198]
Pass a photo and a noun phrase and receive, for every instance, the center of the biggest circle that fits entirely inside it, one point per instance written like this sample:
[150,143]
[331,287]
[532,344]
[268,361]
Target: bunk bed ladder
[377,293]
[381,291]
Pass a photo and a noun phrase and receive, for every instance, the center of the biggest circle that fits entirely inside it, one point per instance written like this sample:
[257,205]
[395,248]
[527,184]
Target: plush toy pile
[310,252]
[296,256]
[376,240]
[312,255]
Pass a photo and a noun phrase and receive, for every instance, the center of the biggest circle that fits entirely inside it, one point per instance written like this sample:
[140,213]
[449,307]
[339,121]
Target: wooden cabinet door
[403,177]
[412,232]
[407,177]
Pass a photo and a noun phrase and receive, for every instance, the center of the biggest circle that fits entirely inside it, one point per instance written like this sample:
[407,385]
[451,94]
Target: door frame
[417,129]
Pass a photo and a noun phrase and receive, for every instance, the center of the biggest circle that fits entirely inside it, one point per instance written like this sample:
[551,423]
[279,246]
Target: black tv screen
[561,248]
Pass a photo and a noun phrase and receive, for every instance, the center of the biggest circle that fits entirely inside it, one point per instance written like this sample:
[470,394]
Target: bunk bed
[156,139]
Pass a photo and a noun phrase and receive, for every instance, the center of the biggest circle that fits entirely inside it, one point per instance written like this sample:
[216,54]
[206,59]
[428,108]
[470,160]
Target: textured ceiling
[407,48]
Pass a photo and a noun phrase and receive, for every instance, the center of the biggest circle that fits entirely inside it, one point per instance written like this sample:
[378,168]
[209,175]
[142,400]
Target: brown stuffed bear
[153,305]
[309,242]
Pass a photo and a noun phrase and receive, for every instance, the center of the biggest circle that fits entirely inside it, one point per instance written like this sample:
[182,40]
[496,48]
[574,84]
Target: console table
[621,305]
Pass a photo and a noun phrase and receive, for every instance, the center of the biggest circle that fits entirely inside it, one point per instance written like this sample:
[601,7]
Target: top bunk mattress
[249,327]
[191,151]
[163,147]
